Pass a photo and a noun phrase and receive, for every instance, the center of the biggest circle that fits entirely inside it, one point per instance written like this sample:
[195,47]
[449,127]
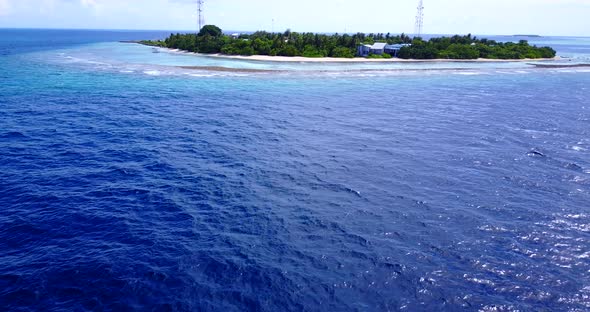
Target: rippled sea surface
[129,184]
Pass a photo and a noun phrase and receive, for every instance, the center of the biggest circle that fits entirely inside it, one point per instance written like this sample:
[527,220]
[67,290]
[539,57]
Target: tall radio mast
[419,19]
[201,7]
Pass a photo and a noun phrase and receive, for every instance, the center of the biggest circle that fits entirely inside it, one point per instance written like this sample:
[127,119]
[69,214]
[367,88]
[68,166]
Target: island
[212,40]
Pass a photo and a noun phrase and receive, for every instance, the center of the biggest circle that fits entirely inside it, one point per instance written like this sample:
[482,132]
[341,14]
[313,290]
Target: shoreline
[367,70]
[302,59]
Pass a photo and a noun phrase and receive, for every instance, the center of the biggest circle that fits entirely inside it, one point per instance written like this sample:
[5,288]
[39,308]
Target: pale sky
[486,17]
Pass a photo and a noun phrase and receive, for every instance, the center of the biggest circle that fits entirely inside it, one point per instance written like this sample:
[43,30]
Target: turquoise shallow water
[130,184]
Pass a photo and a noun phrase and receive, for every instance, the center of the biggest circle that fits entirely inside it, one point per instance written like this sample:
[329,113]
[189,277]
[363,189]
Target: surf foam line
[560,65]
[331,71]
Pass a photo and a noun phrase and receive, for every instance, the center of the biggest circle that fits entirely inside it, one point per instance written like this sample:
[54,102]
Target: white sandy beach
[300,59]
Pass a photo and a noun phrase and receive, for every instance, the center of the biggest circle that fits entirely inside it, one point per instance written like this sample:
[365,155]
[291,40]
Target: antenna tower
[419,19]
[201,6]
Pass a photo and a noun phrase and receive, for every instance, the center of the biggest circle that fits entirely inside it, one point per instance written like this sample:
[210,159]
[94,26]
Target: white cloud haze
[4,7]
[546,17]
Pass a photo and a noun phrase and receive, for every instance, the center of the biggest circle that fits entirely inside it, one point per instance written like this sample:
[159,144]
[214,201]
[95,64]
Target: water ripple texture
[130,192]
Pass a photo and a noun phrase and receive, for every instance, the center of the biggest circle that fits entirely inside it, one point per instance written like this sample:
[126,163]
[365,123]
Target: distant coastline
[379,47]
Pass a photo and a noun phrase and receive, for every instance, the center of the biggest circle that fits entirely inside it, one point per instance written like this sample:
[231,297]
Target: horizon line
[250,31]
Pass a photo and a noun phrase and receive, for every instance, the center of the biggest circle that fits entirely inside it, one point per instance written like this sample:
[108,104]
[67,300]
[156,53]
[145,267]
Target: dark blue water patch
[13,135]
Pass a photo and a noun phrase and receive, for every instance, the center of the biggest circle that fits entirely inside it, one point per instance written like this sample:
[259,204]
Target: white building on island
[379,48]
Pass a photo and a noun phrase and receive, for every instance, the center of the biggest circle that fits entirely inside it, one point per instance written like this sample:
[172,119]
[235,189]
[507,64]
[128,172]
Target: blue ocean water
[129,183]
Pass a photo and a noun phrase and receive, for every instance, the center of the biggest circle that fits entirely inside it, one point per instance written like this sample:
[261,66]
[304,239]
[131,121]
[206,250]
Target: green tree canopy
[210,30]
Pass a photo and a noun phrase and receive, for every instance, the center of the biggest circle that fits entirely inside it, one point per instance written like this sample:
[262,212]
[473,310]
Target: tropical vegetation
[211,39]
